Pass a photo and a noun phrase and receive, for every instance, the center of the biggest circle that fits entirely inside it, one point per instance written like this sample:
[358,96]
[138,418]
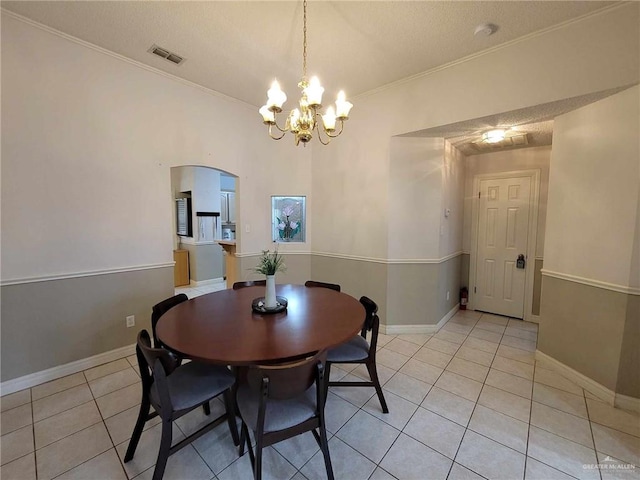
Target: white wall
[415,198]
[87,143]
[593,194]
[453,178]
[350,177]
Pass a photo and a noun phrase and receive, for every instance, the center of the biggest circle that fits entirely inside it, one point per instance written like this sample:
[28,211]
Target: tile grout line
[466,428]
[33,429]
[476,404]
[593,438]
[533,382]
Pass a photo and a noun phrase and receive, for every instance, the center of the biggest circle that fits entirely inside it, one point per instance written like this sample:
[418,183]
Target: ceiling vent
[166,54]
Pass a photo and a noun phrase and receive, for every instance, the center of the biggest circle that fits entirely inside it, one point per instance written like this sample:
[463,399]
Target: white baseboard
[37,378]
[203,283]
[424,329]
[585,382]
[627,403]
[532,318]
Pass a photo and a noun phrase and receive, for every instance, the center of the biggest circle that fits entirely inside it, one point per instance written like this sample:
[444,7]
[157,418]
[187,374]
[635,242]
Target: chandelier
[302,121]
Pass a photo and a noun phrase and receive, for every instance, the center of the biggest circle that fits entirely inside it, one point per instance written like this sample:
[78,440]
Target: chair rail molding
[628,289]
[88,273]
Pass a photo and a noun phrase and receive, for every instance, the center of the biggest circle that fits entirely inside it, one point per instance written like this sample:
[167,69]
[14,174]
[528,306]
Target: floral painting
[288,218]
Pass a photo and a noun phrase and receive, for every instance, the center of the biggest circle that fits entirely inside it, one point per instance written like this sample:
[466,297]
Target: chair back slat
[313,283]
[160,309]
[149,355]
[249,283]
[371,309]
[286,380]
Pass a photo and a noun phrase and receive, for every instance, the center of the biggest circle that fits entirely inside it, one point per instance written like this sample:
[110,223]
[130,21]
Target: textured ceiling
[238,47]
[533,123]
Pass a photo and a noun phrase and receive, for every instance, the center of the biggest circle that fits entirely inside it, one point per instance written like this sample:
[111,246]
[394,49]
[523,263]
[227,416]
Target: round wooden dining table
[221,327]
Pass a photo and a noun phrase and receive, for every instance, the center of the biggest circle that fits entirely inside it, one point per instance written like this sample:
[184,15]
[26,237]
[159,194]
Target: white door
[503,225]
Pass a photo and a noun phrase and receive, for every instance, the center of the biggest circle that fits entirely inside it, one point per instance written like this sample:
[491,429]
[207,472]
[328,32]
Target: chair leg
[206,408]
[257,473]
[324,446]
[229,405]
[327,377]
[143,413]
[243,438]
[165,447]
[373,373]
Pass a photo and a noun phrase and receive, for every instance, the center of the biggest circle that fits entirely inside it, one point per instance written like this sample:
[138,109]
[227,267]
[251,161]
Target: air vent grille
[166,54]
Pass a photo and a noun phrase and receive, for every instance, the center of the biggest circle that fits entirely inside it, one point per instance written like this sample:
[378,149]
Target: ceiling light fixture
[303,120]
[493,136]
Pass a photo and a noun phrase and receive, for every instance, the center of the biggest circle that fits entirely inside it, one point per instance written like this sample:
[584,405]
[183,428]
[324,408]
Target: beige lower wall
[582,327]
[629,371]
[448,281]
[412,295]
[406,294]
[206,262]
[356,277]
[465,262]
[51,323]
[537,287]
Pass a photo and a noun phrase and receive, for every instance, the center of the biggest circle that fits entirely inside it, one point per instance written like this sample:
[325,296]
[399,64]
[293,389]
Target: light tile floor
[469,402]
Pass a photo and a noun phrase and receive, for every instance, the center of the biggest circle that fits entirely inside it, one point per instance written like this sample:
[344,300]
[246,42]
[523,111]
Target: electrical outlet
[131,321]
[448,295]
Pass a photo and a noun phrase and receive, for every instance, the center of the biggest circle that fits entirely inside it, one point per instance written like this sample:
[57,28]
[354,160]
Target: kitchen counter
[229,247]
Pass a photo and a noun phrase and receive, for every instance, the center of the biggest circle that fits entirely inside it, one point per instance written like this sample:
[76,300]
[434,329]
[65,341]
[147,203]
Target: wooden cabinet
[181,268]
[228,207]
[229,248]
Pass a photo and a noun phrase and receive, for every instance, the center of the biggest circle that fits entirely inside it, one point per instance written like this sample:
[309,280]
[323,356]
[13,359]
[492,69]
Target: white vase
[270,294]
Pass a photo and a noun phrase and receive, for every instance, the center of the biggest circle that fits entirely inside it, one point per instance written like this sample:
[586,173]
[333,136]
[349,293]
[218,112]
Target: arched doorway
[204,213]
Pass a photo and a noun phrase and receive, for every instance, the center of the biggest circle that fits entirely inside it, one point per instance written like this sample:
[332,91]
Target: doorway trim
[534,175]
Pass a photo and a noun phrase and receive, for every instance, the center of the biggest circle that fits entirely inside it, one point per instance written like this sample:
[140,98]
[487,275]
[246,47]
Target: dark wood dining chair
[313,283]
[174,390]
[281,401]
[358,350]
[157,311]
[249,283]
[160,309]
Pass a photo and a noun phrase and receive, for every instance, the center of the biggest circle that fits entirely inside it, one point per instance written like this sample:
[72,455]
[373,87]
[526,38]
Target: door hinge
[479,194]
[474,290]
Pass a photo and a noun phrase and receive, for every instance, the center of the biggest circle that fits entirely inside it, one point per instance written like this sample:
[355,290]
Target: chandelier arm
[317,128]
[271,134]
[283,130]
[336,134]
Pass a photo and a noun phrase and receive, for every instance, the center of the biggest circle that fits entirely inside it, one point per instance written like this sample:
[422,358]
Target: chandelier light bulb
[314,92]
[268,116]
[342,106]
[275,97]
[329,120]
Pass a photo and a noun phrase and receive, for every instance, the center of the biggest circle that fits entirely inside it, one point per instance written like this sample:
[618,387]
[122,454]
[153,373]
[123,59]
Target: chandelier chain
[304,40]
